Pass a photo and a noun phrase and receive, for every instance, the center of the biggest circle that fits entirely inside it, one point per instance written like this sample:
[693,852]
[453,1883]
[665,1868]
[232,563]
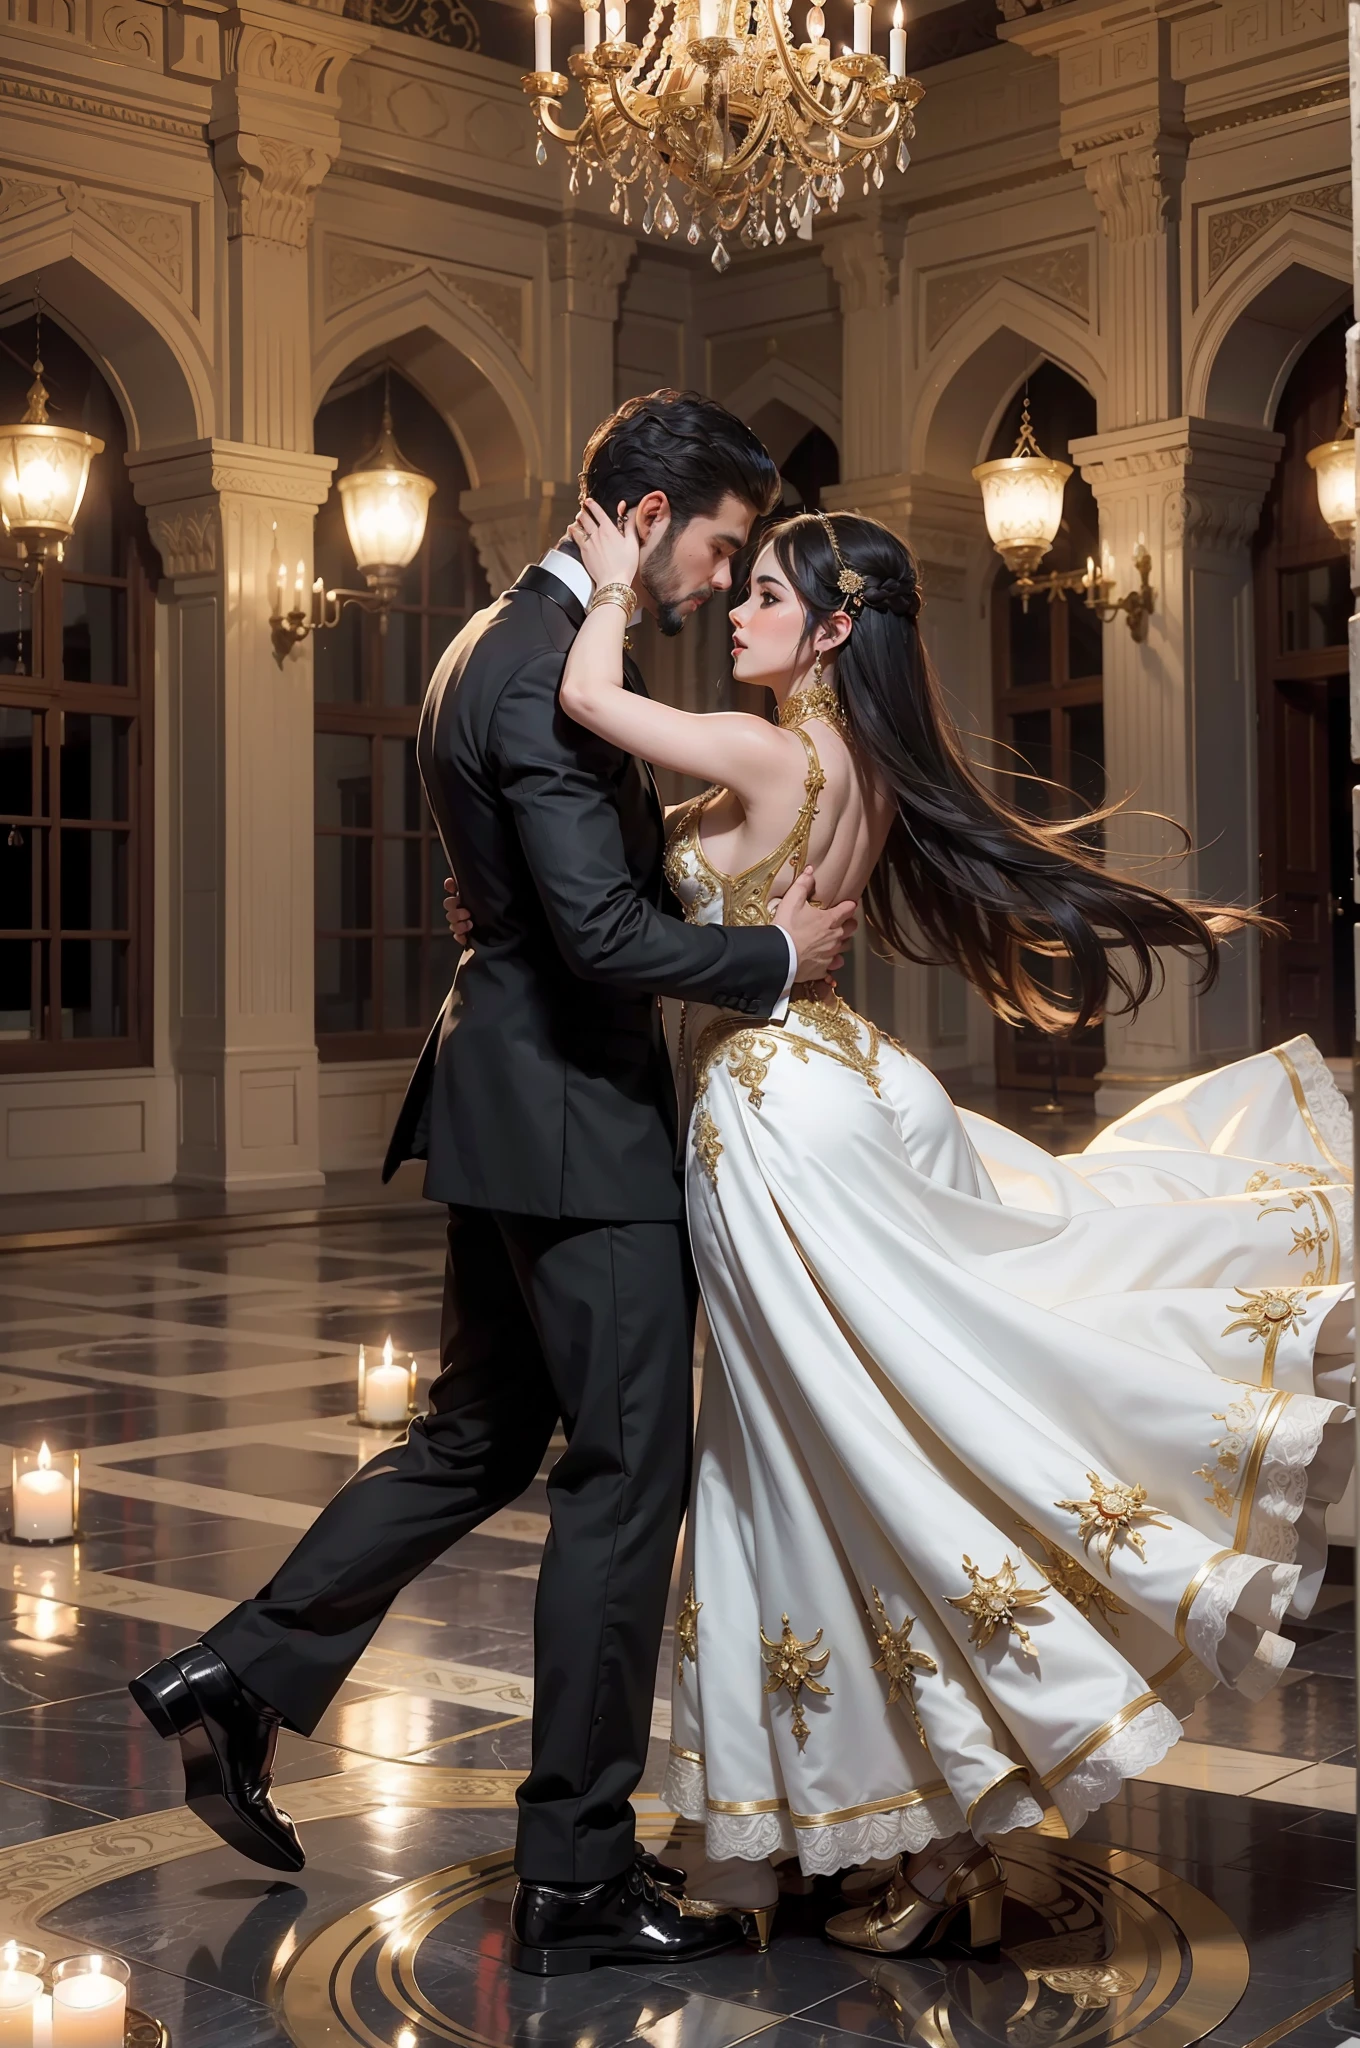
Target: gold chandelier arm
[801,90]
[757,135]
[558,130]
[644,127]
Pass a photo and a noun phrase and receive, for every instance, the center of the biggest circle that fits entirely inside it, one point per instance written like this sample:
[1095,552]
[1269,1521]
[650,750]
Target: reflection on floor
[209,1384]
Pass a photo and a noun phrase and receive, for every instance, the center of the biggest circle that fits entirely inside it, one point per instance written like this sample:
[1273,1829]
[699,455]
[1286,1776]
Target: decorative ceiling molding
[151,232]
[1062,274]
[1233,229]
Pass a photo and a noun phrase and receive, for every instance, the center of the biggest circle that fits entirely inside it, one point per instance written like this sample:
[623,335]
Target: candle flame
[96,1966]
[816,23]
[387,1352]
[540,6]
[898,21]
[10,1953]
[44,1458]
[612,21]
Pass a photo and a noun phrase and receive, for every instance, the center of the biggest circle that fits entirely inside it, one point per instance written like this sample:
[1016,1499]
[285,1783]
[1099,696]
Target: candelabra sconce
[386,503]
[1136,605]
[1022,501]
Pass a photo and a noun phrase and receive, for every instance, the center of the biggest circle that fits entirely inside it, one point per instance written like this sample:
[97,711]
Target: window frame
[53,700]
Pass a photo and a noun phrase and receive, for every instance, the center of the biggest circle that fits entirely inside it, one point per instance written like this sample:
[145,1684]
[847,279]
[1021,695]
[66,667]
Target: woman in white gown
[1003,1460]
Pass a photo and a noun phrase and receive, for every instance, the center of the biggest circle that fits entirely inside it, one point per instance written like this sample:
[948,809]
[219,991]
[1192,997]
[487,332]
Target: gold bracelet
[621,594]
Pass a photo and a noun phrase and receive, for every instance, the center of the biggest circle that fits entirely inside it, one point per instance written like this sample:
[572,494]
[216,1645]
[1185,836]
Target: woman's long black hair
[965,879]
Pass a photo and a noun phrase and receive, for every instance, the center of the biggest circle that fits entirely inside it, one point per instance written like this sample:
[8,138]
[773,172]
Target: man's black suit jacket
[543,1088]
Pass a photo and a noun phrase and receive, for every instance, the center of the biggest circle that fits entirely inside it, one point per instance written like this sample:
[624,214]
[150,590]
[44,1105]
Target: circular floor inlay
[1098,1945]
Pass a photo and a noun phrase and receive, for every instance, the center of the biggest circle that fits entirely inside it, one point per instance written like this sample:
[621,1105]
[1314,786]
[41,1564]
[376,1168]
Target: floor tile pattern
[209,1385]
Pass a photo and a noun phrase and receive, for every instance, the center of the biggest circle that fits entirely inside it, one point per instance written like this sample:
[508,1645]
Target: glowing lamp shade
[1333,465]
[1022,501]
[386,503]
[43,474]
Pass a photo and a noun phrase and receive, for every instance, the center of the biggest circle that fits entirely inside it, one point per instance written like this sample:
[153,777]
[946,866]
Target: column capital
[275,126]
[1210,476]
[183,488]
[865,258]
[512,524]
[592,264]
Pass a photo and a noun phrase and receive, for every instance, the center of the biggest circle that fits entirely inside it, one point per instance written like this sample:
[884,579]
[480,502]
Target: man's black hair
[681,443]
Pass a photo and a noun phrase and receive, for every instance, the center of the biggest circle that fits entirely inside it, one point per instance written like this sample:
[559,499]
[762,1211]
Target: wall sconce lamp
[1333,465]
[386,503]
[1022,500]
[43,474]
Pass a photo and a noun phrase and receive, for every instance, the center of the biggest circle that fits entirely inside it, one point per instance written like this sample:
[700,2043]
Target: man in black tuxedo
[543,1105]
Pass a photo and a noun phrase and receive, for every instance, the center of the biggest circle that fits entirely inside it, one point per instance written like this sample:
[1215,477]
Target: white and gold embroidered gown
[1003,1460]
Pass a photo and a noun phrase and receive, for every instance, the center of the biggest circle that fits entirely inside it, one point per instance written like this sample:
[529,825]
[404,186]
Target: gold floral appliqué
[1268,1312]
[792,1667]
[898,1661]
[687,1631]
[993,1604]
[707,1144]
[1108,1516]
[1073,1581]
[1318,1237]
[1225,1477]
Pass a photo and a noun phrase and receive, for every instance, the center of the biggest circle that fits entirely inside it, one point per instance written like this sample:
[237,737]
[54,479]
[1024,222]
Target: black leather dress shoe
[555,1930]
[670,1875]
[227,1741]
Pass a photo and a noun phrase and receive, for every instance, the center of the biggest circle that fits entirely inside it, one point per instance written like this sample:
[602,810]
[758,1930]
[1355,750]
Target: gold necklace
[815,700]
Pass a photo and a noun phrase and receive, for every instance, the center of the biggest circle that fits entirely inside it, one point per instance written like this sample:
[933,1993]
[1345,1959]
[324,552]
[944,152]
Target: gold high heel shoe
[757,1922]
[900,1920]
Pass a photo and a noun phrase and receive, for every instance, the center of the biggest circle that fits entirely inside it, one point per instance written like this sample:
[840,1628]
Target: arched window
[75,753]
[1048,702]
[384,957]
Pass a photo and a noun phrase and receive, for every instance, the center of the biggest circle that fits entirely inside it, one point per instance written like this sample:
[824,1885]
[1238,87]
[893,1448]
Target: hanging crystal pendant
[574,181]
[903,155]
[647,216]
[878,172]
[617,200]
[667,219]
[720,258]
[541,152]
[780,231]
[627,216]
[692,233]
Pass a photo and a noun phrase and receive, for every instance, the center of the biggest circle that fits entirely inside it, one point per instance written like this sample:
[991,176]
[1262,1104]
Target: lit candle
[864,20]
[42,2022]
[280,592]
[542,36]
[613,24]
[20,1990]
[89,2003]
[708,18]
[44,1503]
[897,44]
[298,581]
[387,1390]
[591,20]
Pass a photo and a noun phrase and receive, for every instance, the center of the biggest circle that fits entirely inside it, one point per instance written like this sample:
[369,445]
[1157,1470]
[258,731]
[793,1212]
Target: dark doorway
[1048,697]
[1305,775]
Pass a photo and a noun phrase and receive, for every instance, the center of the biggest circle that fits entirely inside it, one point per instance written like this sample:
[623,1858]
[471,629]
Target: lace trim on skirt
[1327,1106]
[841,1845]
[1097,1779]
[1232,1626]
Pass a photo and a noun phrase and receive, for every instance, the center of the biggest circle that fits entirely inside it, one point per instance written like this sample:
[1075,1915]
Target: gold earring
[817,670]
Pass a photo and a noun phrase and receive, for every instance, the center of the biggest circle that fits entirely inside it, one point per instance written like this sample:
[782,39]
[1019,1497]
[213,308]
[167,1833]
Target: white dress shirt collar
[568,570]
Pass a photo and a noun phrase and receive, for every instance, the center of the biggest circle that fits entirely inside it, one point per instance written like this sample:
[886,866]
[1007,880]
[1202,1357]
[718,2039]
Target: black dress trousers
[543,1318]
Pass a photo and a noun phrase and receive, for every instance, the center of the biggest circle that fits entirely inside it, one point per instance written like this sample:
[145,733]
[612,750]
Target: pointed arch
[777,382]
[1254,324]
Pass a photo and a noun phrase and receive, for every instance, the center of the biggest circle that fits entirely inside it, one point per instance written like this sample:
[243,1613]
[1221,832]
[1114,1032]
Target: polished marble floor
[209,1385]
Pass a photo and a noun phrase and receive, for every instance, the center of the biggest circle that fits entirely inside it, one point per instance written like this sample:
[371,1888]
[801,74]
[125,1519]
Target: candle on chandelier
[613,22]
[590,20]
[708,19]
[542,36]
[897,44]
[864,24]
[816,29]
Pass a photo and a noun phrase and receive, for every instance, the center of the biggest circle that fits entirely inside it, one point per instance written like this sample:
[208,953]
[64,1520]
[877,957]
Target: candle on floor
[20,1991]
[542,36]
[384,1390]
[89,2002]
[42,2022]
[897,44]
[44,1508]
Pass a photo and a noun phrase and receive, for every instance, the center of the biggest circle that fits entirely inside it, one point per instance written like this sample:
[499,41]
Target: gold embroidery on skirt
[1268,1312]
[687,1631]
[1319,1236]
[994,1603]
[898,1661]
[1225,1477]
[1109,1515]
[707,1144]
[1072,1580]
[792,1667]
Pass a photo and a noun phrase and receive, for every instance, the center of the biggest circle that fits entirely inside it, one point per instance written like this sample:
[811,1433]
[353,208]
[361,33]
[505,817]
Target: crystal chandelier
[757,134]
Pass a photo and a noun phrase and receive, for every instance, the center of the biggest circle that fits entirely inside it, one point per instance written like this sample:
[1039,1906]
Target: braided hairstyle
[965,880]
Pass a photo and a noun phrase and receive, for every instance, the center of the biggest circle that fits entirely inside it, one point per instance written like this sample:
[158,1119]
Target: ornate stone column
[865,258]
[226,513]
[1180,717]
[586,267]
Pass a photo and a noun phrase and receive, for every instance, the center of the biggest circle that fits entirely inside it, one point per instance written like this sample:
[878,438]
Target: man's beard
[670,615]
